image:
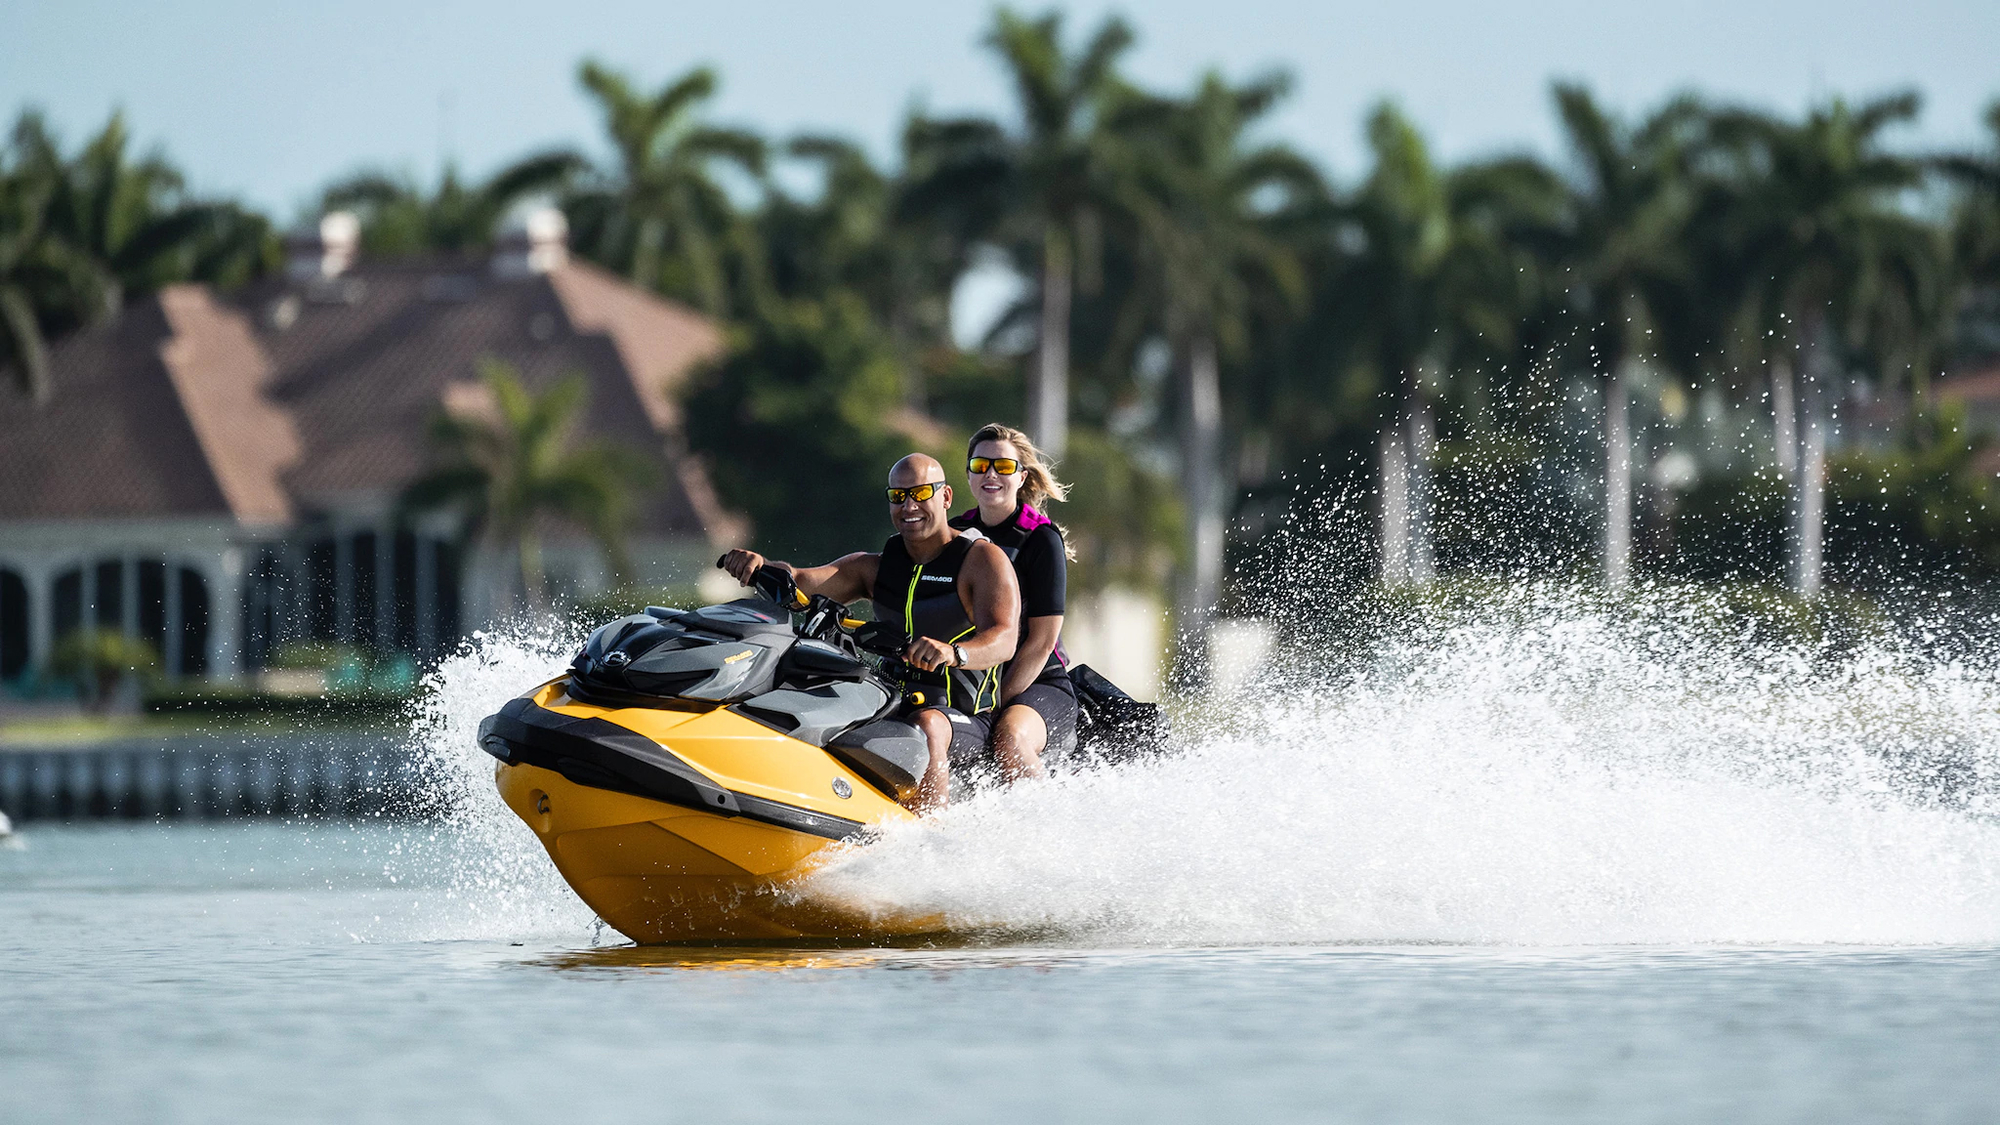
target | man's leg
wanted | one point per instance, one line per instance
(934, 789)
(1018, 741)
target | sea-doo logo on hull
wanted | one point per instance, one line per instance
(617, 659)
(842, 789)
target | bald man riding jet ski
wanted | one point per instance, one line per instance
(954, 596)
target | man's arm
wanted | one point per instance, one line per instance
(993, 600)
(845, 579)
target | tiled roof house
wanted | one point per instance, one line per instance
(219, 473)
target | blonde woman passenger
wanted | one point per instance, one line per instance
(1037, 711)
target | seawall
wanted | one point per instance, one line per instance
(211, 776)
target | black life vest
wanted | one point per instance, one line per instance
(1011, 536)
(922, 601)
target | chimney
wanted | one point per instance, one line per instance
(539, 244)
(311, 256)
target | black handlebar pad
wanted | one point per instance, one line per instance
(773, 582)
(885, 641)
(880, 639)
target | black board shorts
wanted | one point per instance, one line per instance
(1056, 704)
(970, 735)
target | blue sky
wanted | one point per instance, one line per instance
(270, 100)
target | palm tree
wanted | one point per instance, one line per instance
(1437, 272)
(839, 239)
(130, 219)
(79, 235)
(660, 217)
(848, 239)
(1042, 189)
(1816, 212)
(508, 469)
(1975, 233)
(1401, 224)
(1213, 208)
(38, 271)
(1629, 202)
(398, 218)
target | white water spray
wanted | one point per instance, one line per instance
(501, 883)
(1535, 773)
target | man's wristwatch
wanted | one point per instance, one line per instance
(958, 654)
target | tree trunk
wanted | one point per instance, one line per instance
(1784, 424)
(31, 357)
(533, 584)
(646, 249)
(1048, 392)
(1407, 448)
(1395, 485)
(1205, 497)
(1422, 437)
(1618, 477)
(1810, 506)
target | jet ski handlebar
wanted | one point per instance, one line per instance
(824, 618)
(775, 583)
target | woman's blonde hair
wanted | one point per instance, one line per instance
(1040, 483)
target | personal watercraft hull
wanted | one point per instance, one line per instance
(687, 824)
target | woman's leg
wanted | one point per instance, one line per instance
(1019, 737)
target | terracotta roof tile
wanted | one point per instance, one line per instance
(112, 441)
(222, 374)
(659, 342)
(1970, 386)
(184, 404)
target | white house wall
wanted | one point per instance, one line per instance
(219, 551)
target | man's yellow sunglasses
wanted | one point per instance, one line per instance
(919, 493)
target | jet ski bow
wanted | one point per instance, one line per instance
(690, 765)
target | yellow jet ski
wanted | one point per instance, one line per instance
(686, 770)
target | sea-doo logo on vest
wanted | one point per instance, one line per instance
(617, 659)
(935, 578)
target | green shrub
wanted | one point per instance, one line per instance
(1919, 518)
(319, 656)
(97, 660)
(363, 707)
(350, 669)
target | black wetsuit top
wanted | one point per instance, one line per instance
(1035, 547)
(922, 601)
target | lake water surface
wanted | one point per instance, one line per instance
(1542, 864)
(331, 973)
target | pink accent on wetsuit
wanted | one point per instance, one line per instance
(1029, 519)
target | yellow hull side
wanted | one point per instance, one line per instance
(658, 872)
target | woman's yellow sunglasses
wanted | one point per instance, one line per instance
(1005, 466)
(919, 493)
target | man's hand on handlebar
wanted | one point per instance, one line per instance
(741, 564)
(929, 654)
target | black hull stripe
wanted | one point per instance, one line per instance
(604, 755)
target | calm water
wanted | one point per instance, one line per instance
(259, 971)
(1541, 864)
